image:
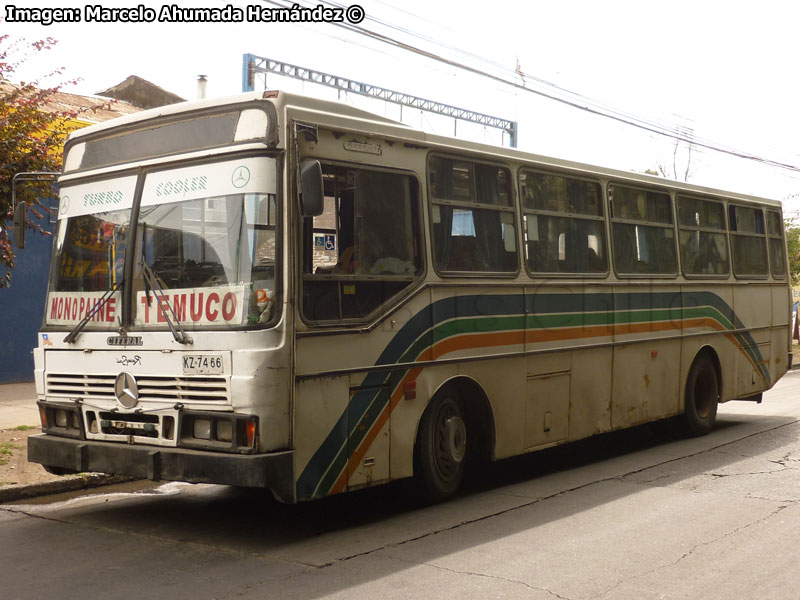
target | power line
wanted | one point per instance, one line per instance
(573, 99)
(669, 129)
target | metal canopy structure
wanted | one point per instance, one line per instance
(253, 65)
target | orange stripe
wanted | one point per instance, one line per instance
(478, 340)
(553, 335)
(382, 419)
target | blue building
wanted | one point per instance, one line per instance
(22, 304)
(22, 307)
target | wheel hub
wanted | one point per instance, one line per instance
(456, 437)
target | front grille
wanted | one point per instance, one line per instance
(80, 386)
(151, 387)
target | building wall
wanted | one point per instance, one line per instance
(22, 308)
(22, 304)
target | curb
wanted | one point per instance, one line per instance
(69, 484)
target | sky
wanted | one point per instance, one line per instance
(723, 73)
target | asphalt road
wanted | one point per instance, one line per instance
(637, 515)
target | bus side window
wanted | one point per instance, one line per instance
(364, 248)
(384, 224)
(564, 225)
(642, 231)
(776, 245)
(748, 242)
(473, 220)
(703, 242)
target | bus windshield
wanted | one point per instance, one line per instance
(90, 245)
(213, 259)
(206, 235)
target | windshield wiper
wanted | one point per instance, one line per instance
(175, 327)
(73, 335)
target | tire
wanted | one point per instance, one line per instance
(441, 448)
(702, 397)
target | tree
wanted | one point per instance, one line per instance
(683, 146)
(31, 136)
(674, 172)
(792, 227)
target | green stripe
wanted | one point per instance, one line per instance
(470, 315)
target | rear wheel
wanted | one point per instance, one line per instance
(441, 447)
(702, 397)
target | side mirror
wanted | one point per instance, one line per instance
(21, 208)
(312, 195)
(19, 224)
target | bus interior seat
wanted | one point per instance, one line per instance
(465, 255)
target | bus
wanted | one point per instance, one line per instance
(281, 292)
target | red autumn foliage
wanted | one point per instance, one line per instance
(32, 132)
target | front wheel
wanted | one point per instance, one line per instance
(702, 397)
(441, 447)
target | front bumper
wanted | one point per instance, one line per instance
(273, 471)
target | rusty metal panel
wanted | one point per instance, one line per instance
(645, 386)
(547, 399)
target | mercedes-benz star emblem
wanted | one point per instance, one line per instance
(126, 390)
(240, 177)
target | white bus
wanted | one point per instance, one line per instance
(281, 292)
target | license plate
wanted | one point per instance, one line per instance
(202, 364)
(127, 425)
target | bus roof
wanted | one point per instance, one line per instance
(277, 97)
(332, 113)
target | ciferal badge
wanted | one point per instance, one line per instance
(125, 340)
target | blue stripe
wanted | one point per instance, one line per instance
(366, 404)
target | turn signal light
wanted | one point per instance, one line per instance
(250, 433)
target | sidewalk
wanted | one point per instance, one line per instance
(19, 479)
(18, 405)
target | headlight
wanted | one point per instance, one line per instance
(226, 432)
(61, 419)
(202, 429)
